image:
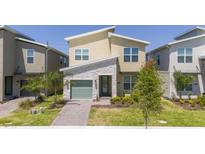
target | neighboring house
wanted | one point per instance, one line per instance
(186, 54)
(20, 57)
(102, 64)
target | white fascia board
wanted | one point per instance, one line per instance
(89, 33)
(29, 41)
(128, 38)
(91, 62)
(187, 39)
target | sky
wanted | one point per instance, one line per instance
(157, 35)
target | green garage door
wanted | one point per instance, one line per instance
(81, 89)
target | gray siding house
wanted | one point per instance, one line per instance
(186, 54)
(20, 57)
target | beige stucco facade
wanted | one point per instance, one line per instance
(13, 60)
(102, 46)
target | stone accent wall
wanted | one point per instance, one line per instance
(92, 72)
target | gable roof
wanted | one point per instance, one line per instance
(178, 41)
(90, 33)
(128, 38)
(188, 31)
(7, 28)
(41, 44)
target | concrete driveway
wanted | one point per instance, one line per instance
(11, 105)
(74, 113)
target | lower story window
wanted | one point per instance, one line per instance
(129, 82)
(188, 88)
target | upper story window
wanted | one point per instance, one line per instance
(129, 82)
(184, 55)
(158, 59)
(81, 54)
(65, 61)
(131, 54)
(61, 60)
(30, 56)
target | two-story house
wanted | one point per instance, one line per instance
(186, 54)
(20, 57)
(102, 64)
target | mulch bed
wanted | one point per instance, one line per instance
(188, 106)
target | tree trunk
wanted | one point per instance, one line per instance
(146, 118)
(55, 95)
(180, 94)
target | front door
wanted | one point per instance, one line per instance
(105, 85)
(8, 86)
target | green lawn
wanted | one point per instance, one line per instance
(172, 114)
(22, 117)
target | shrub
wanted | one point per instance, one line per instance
(127, 100)
(40, 98)
(201, 100)
(27, 104)
(116, 100)
(191, 102)
(135, 97)
(181, 101)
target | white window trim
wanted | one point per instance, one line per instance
(185, 55)
(131, 77)
(81, 53)
(130, 55)
(30, 56)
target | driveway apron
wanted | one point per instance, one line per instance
(74, 113)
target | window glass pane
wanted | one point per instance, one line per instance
(30, 52)
(134, 78)
(64, 60)
(135, 51)
(180, 59)
(127, 79)
(77, 52)
(77, 57)
(126, 58)
(30, 60)
(85, 57)
(188, 51)
(181, 52)
(158, 60)
(188, 88)
(126, 51)
(126, 86)
(85, 51)
(188, 59)
(133, 85)
(134, 58)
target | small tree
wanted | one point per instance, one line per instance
(148, 87)
(182, 81)
(55, 82)
(35, 85)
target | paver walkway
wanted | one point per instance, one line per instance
(74, 113)
(11, 105)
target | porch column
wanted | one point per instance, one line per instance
(114, 82)
(201, 86)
